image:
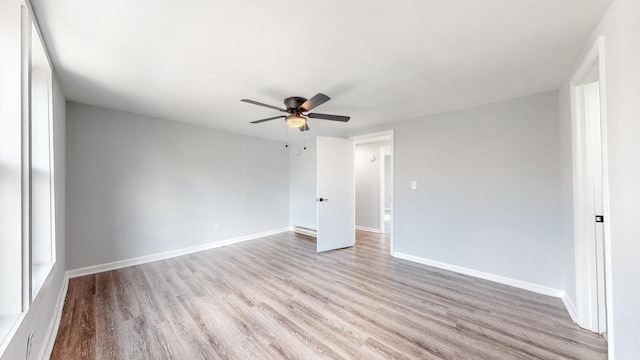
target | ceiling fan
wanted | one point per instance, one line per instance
(296, 107)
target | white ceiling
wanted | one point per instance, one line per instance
(380, 61)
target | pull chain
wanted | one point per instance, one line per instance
(286, 136)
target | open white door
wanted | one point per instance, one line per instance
(593, 133)
(335, 193)
(591, 193)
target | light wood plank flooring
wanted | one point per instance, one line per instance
(276, 298)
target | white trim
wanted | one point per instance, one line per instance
(387, 135)
(540, 289)
(26, 157)
(52, 330)
(382, 185)
(167, 254)
(569, 305)
(364, 228)
(373, 137)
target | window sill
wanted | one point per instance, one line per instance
(39, 273)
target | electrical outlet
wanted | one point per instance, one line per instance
(216, 227)
(414, 185)
(29, 344)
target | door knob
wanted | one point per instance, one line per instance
(323, 199)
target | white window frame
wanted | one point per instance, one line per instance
(11, 320)
(29, 29)
(39, 275)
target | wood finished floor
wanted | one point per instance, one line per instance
(276, 298)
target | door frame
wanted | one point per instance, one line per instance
(383, 187)
(387, 135)
(584, 244)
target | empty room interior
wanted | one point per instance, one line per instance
(319, 180)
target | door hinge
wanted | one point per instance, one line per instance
(599, 218)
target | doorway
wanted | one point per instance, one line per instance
(385, 189)
(373, 163)
(591, 220)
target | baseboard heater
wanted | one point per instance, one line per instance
(305, 231)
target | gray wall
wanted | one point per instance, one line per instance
(303, 184)
(489, 183)
(621, 29)
(488, 187)
(42, 309)
(367, 175)
(141, 185)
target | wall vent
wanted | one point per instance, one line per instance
(305, 231)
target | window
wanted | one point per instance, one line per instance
(42, 235)
(10, 166)
(27, 216)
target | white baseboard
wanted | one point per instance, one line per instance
(52, 330)
(377, 231)
(570, 306)
(166, 255)
(540, 289)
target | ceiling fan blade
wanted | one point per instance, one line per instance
(329, 117)
(315, 101)
(261, 104)
(267, 119)
(304, 128)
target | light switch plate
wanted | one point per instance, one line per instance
(414, 185)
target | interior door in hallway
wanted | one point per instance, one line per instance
(335, 193)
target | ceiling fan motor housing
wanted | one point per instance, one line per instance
(293, 103)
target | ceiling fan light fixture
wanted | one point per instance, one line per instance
(296, 120)
(295, 107)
